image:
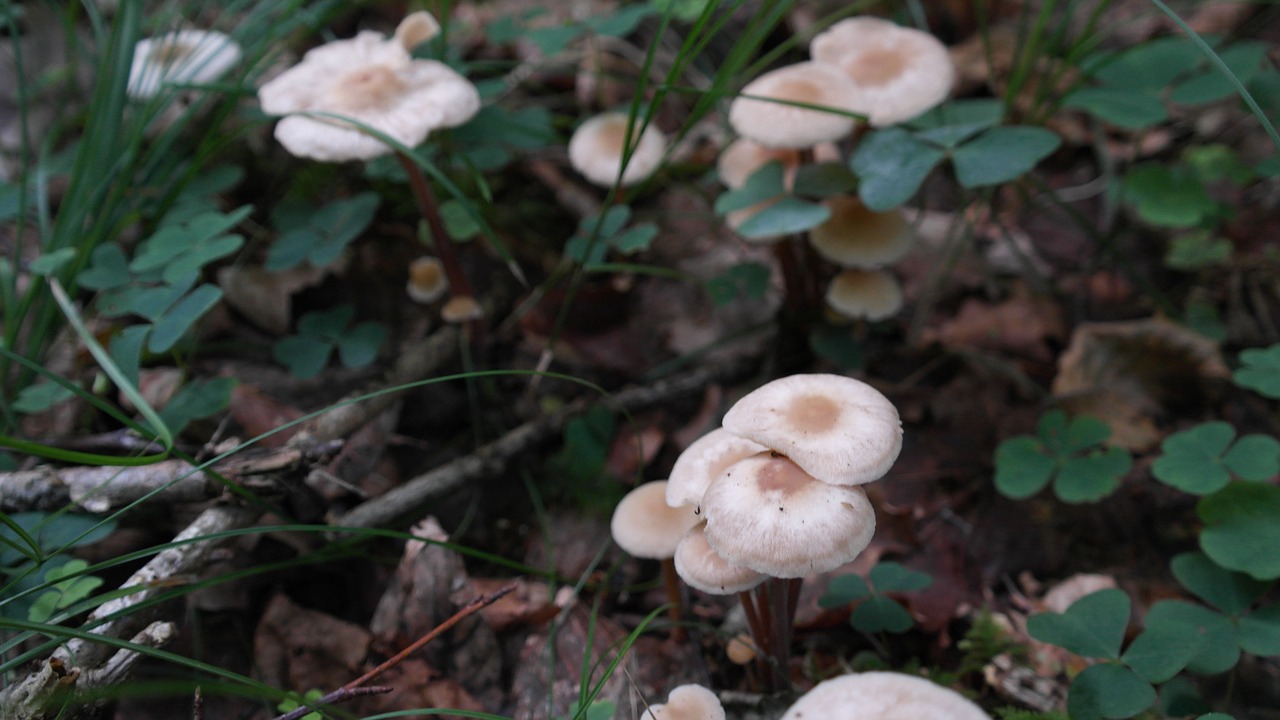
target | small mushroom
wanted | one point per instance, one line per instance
(687, 702)
(598, 145)
(768, 514)
(855, 236)
(702, 568)
(882, 696)
(899, 72)
(871, 294)
(416, 28)
(646, 526)
(767, 113)
(461, 309)
(703, 461)
(182, 57)
(839, 430)
(427, 280)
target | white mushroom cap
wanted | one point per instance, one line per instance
(687, 702)
(646, 526)
(372, 81)
(702, 568)
(743, 157)
(882, 696)
(703, 461)
(183, 57)
(770, 515)
(416, 28)
(855, 236)
(839, 430)
(596, 149)
(870, 294)
(899, 72)
(427, 280)
(780, 125)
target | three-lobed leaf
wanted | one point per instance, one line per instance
(1093, 626)
(1260, 371)
(1240, 529)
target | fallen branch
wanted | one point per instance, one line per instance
(82, 664)
(408, 500)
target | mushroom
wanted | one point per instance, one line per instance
(744, 156)
(766, 111)
(898, 72)
(702, 568)
(855, 236)
(703, 461)
(364, 81)
(416, 28)
(646, 526)
(598, 149)
(839, 430)
(427, 280)
(768, 514)
(461, 309)
(687, 702)
(182, 57)
(870, 294)
(882, 696)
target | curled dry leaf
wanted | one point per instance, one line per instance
(1024, 325)
(1128, 374)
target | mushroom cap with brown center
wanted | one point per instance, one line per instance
(702, 568)
(899, 72)
(646, 526)
(182, 57)
(870, 294)
(770, 515)
(367, 80)
(882, 696)
(687, 702)
(855, 236)
(763, 112)
(840, 430)
(703, 461)
(427, 280)
(597, 147)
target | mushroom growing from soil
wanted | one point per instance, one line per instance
(767, 110)
(870, 294)
(687, 702)
(898, 72)
(882, 696)
(344, 89)
(427, 280)
(839, 430)
(598, 149)
(179, 58)
(645, 526)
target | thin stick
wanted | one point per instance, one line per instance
(342, 694)
(467, 610)
(753, 621)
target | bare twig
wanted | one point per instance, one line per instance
(409, 499)
(342, 694)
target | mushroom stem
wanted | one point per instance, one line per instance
(459, 284)
(675, 611)
(753, 621)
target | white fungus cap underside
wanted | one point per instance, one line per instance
(855, 236)
(850, 436)
(702, 568)
(899, 72)
(882, 696)
(646, 526)
(424, 95)
(703, 461)
(870, 294)
(183, 57)
(687, 702)
(767, 514)
(596, 150)
(779, 125)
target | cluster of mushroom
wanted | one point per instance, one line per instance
(861, 66)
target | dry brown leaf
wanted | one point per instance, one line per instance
(1129, 374)
(264, 297)
(1023, 325)
(301, 649)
